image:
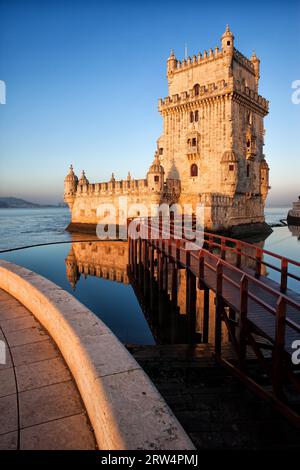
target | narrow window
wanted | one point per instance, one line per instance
(196, 89)
(228, 43)
(156, 178)
(194, 142)
(196, 116)
(191, 116)
(248, 171)
(194, 170)
(231, 167)
(161, 151)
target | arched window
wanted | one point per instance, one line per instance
(194, 142)
(196, 115)
(196, 89)
(191, 116)
(194, 170)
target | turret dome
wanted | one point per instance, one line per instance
(229, 156)
(227, 41)
(71, 177)
(264, 165)
(156, 167)
(227, 33)
(83, 179)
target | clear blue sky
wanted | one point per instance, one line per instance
(83, 79)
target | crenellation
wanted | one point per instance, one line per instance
(243, 60)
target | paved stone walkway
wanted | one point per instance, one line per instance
(40, 406)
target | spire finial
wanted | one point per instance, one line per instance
(227, 28)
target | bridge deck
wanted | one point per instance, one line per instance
(260, 316)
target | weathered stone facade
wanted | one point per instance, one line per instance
(210, 151)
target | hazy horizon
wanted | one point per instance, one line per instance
(83, 79)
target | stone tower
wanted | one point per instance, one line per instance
(213, 134)
(210, 151)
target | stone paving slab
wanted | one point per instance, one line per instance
(9, 441)
(42, 373)
(57, 434)
(29, 335)
(8, 414)
(48, 403)
(28, 353)
(7, 382)
(19, 323)
(40, 406)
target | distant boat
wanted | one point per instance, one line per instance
(293, 217)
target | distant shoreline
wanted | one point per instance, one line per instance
(18, 203)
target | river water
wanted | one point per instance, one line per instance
(96, 272)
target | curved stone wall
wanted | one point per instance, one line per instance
(124, 407)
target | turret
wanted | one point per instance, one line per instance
(264, 179)
(230, 172)
(71, 182)
(256, 64)
(227, 41)
(171, 63)
(83, 179)
(155, 175)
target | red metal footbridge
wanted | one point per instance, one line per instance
(262, 315)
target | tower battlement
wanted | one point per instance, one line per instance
(211, 90)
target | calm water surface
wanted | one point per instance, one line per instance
(86, 269)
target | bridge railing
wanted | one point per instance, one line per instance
(260, 310)
(241, 249)
(280, 299)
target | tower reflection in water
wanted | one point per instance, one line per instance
(295, 231)
(169, 322)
